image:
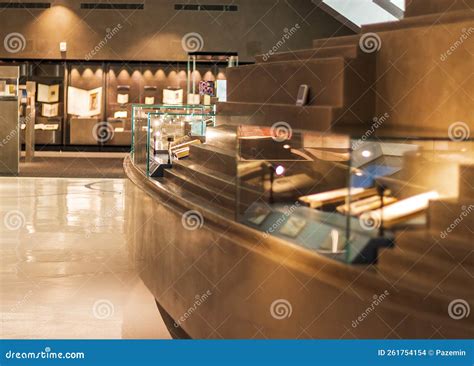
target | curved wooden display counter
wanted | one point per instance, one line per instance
(222, 279)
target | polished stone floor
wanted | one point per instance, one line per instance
(64, 268)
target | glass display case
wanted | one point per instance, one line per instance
(9, 79)
(340, 197)
(394, 183)
(205, 90)
(276, 171)
(9, 117)
(163, 133)
(43, 85)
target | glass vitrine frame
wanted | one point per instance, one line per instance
(406, 175)
(231, 58)
(142, 115)
(197, 123)
(339, 212)
(274, 172)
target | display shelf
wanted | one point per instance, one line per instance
(142, 82)
(48, 131)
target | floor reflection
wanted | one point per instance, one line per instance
(64, 264)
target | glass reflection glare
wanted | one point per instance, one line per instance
(279, 170)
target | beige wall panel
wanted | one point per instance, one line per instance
(425, 76)
(156, 32)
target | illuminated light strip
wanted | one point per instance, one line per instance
(404, 208)
(319, 199)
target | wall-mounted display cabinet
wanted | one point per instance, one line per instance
(73, 100)
(43, 85)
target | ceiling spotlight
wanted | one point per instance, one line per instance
(366, 154)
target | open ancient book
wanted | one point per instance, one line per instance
(84, 103)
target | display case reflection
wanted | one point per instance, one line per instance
(402, 180)
(344, 198)
(163, 133)
(274, 176)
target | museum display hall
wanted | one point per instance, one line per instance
(237, 170)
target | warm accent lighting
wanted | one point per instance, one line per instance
(279, 170)
(335, 240)
(405, 208)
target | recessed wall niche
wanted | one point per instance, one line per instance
(136, 82)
